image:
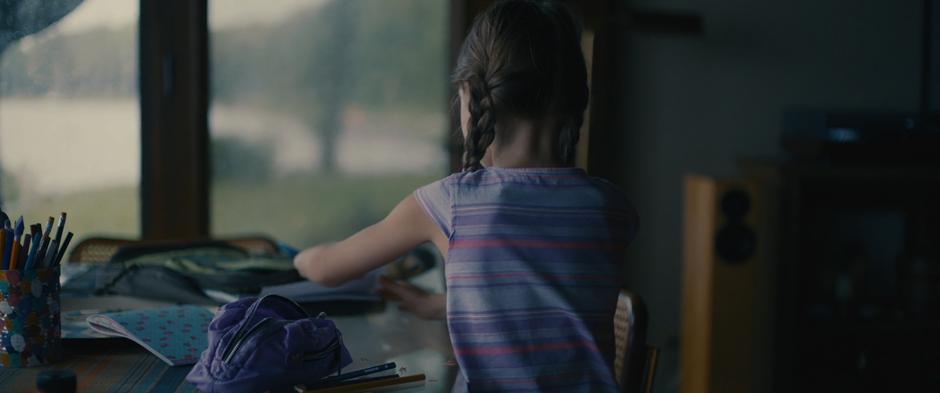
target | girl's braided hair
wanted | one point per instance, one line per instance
(522, 58)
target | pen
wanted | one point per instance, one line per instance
(65, 245)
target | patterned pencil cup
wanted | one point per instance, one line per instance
(30, 319)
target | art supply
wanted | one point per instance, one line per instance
(58, 229)
(18, 229)
(41, 254)
(49, 259)
(4, 256)
(24, 252)
(371, 385)
(48, 231)
(62, 248)
(34, 249)
(358, 373)
(348, 382)
(29, 312)
(14, 255)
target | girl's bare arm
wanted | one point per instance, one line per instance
(406, 227)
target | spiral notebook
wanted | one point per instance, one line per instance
(177, 335)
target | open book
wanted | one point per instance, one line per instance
(177, 334)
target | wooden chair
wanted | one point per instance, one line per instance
(103, 249)
(634, 360)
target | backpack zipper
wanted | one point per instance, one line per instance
(241, 337)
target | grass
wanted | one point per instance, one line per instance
(299, 210)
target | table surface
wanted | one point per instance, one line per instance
(120, 365)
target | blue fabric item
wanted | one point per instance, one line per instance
(267, 344)
(532, 273)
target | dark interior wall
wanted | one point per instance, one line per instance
(695, 104)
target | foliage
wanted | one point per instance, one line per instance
(235, 158)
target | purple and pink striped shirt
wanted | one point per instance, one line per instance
(532, 275)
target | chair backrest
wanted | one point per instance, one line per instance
(96, 249)
(634, 361)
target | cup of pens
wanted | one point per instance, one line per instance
(30, 318)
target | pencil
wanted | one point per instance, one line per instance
(14, 255)
(4, 260)
(49, 227)
(24, 252)
(58, 229)
(41, 252)
(348, 382)
(359, 373)
(65, 244)
(367, 385)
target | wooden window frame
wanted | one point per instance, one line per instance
(174, 105)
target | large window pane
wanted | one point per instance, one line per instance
(325, 114)
(69, 119)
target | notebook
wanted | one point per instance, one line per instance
(176, 335)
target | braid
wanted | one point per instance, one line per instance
(482, 124)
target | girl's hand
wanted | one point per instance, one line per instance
(415, 300)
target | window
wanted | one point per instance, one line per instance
(324, 114)
(69, 118)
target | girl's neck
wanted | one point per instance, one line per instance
(522, 143)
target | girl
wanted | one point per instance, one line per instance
(532, 244)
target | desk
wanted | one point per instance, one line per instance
(120, 365)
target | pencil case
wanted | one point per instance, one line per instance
(267, 344)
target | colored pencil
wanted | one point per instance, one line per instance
(370, 385)
(24, 252)
(59, 228)
(359, 373)
(14, 255)
(65, 245)
(4, 257)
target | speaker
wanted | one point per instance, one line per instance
(727, 300)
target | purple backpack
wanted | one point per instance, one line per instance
(267, 344)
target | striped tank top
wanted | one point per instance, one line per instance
(532, 276)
